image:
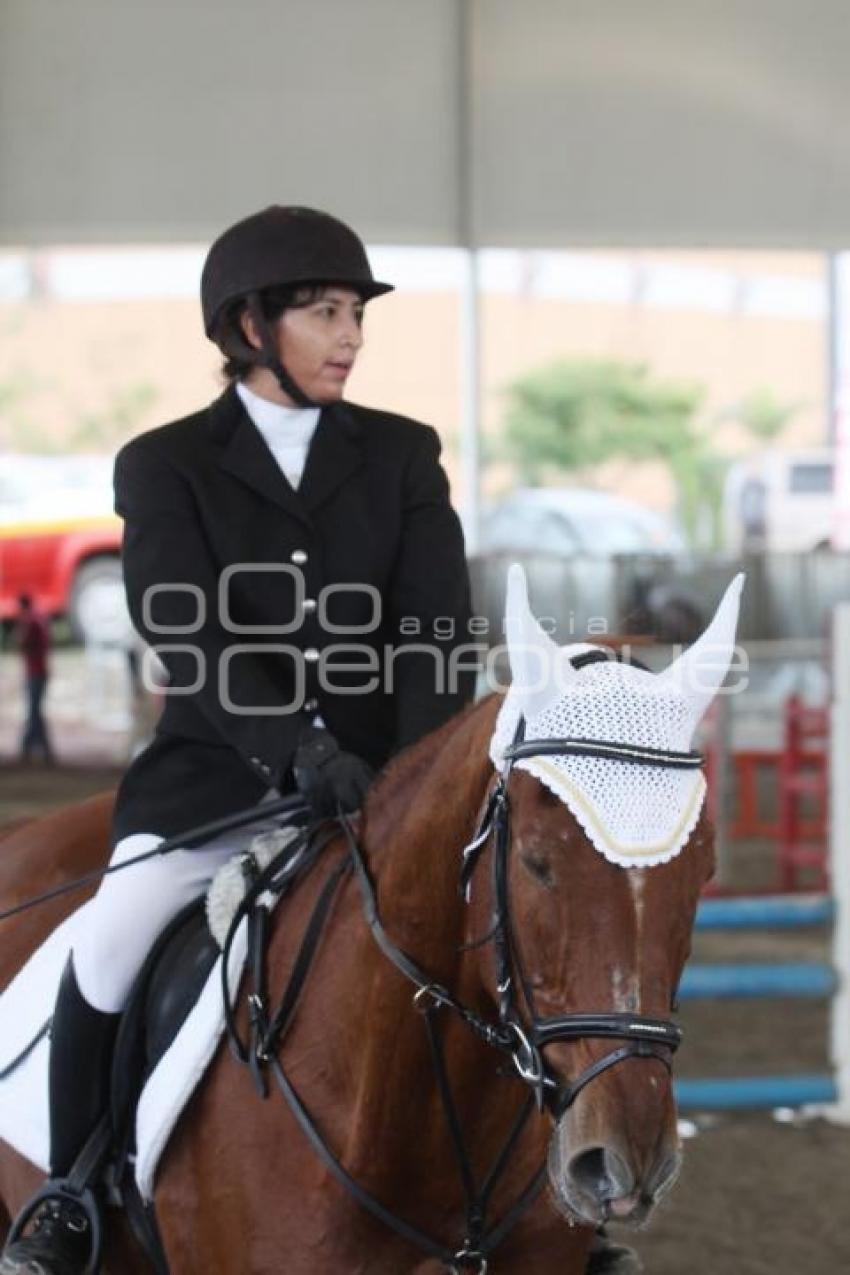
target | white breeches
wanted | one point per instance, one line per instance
(133, 907)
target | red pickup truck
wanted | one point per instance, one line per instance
(61, 542)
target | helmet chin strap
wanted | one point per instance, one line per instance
(270, 358)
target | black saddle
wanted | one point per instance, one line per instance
(163, 995)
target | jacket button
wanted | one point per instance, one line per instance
(311, 655)
(309, 605)
(298, 556)
(310, 705)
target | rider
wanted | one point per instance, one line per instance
(296, 563)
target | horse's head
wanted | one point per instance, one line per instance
(609, 848)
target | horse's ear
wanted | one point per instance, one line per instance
(537, 666)
(699, 673)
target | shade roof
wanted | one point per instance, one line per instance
(547, 122)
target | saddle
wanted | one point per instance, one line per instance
(166, 990)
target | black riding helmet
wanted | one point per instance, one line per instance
(277, 248)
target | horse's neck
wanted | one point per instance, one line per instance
(423, 814)
(418, 824)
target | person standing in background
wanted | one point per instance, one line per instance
(33, 639)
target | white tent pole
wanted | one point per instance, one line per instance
(470, 400)
(839, 336)
(470, 346)
(839, 821)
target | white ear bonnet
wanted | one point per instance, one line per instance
(635, 815)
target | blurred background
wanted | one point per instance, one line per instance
(620, 237)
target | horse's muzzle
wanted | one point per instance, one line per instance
(597, 1182)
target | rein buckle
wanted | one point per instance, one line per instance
(428, 998)
(529, 1063)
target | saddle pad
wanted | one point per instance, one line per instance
(25, 1006)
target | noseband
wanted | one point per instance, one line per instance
(643, 1037)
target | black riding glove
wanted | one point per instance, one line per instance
(327, 777)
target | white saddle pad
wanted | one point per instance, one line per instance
(28, 1002)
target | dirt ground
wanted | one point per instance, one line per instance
(757, 1196)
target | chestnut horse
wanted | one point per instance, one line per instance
(239, 1187)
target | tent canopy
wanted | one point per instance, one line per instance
(551, 122)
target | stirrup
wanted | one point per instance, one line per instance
(84, 1199)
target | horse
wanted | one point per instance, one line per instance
(465, 1056)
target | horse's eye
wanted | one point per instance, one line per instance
(540, 869)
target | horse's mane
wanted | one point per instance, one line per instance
(453, 758)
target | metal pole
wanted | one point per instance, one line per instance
(470, 401)
(470, 352)
(840, 848)
(832, 347)
(839, 407)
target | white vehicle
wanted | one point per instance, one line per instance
(576, 521)
(780, 502)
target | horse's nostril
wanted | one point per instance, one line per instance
(599, 1173)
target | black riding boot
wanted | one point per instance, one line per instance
(58, 1239)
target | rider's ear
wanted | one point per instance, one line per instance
(249, 329)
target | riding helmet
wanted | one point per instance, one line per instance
(278, 247)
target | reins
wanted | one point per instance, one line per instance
(291, 806)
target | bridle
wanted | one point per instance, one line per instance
(643, 1037)
(522, 1039)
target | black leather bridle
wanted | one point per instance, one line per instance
(643, 1037)
(521, 1038)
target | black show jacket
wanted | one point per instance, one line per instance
(221, 554)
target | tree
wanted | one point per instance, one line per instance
(21, 427)
(762, 414)
(113, 424)
(576, 413)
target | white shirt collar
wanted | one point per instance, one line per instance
(276, 422)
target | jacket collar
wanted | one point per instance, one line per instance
(335, 453)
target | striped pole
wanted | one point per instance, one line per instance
(756, 980)
(779, 912)
(754, 1093)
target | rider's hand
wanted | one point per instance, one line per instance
(327, 777)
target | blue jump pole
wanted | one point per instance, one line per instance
(716, 982)
(752, 1093)
(779, 912)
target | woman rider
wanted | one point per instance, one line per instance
(296, 564)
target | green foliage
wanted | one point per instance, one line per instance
(21, 428)
(94, 431)
(577, 413)
(762, 414)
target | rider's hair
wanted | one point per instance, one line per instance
(230, 335)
